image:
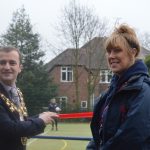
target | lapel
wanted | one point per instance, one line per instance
(2, 90)
(13, 115)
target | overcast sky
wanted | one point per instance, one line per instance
(43, 13)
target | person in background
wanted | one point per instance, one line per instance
(121, 118)
(15, 125)
(53, 107)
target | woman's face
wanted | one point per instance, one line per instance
(120, 60)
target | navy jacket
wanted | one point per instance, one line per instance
(52, 107)
(12, 129)
(121, 119)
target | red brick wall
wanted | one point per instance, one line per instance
(67, 89)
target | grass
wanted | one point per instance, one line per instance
(65, 129)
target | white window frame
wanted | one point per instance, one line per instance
(82, 104)
(63, 98)
(106, 74)
(67, 71)
(92, 100)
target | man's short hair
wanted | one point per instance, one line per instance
(8, 49)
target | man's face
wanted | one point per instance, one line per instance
(9, 67)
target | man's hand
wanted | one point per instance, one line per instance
(47, 117)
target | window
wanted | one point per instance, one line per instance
(83, 104)
(105, 76)
(63, 102)
(66, 74)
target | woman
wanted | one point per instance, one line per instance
(53, 107)
(121, 119)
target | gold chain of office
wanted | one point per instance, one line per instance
(22, 110)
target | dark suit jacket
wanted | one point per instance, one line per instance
(12, 129)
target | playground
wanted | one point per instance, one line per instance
(64, 129)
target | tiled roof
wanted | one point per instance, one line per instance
(91, 55)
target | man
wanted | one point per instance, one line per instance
(53, 107)
(15, 126)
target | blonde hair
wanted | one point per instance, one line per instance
(53, 100)
(123, 37)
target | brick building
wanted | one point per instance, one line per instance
(91, 61)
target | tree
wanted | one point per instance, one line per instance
(145, 40)
(147, 62)
(34, 80)
(78, 25)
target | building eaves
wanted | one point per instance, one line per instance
(91, 55)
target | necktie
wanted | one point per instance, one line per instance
(15, 96)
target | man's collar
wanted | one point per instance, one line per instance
(6, 87)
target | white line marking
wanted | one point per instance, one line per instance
(33, 140)
(65, 145)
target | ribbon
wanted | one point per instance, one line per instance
(76, 115)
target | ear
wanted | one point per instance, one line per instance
(134, 51)
(21, 68)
